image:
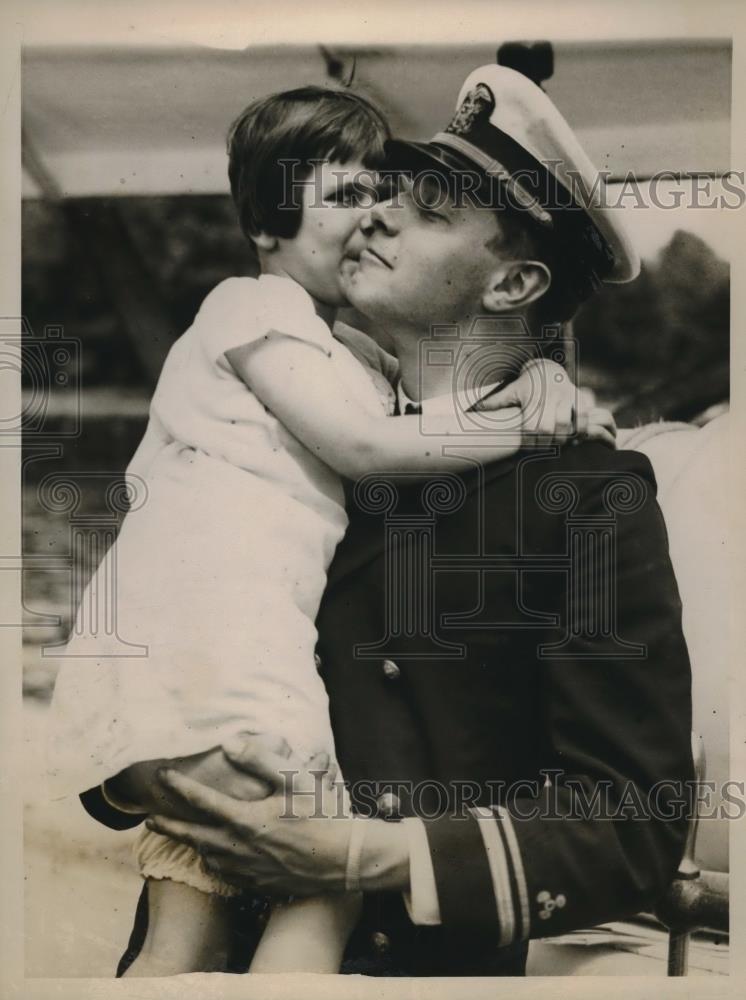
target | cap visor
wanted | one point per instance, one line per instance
(404, 155)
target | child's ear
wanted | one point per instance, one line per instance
(265, 242)
(515, 285)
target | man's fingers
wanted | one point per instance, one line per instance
(230, 873)
(206, 801)
(201, 838)
(253, 756)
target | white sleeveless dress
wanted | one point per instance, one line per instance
(221, 571)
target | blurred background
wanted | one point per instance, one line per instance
(127, 224)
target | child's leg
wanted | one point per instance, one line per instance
(188, 931)
(307, 935)
(189, 916)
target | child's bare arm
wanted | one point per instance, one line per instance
(298, 383)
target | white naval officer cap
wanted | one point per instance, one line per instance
(507, 128)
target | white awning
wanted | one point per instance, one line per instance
(150, 116)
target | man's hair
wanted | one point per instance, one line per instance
(573, 279)
(297, 126)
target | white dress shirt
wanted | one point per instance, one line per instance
(445, 403)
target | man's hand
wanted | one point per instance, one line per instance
(295, 841)
(138, 784)
(553, 410)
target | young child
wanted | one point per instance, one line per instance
(221, 571)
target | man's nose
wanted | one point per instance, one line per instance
(382, 216)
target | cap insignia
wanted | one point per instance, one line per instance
(476, 107)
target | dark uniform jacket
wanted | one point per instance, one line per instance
(504, 656)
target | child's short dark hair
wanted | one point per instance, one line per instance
(310, 123)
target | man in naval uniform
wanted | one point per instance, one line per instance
(508, 680)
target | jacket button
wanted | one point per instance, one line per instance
(381, 942)
(388, 805)
(390, 670)
(317, 661)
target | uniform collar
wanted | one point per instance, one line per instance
(440, 405)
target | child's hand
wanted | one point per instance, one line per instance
(551, 406)
(546, 397)
(596, 424)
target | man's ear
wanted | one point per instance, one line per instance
(516, 284)
(264, 241)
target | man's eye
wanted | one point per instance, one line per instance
(358, 196)
(430, 215)
(387, 186)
